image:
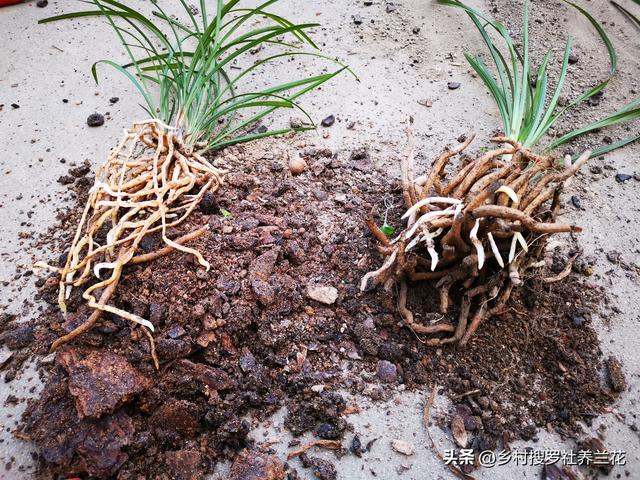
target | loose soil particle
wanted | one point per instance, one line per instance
(244, 337)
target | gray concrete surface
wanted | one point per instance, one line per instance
(41, 65)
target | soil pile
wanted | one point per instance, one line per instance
(279, 320)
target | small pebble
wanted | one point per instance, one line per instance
(95, 120)
(328, 121)
(453, 85)
(573, 58)
(357, 20)
(42, 3)
(622, 177)
(403, 447)
(576, 202)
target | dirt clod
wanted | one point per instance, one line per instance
(617, 378)
(256, 465)
(100, 381)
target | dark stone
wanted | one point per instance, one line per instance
(453, 85)
(328, 121)
(42, 3)
(576, 201)
(622, 177)
(95, 120)
(328, 431)
(204, 376)
(356, 446)
(176, 332)
(113, 100)
(390, 351)
(573, 58)
(247, 361)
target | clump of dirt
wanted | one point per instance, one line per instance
(279, 320)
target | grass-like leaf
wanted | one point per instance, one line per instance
(528, 114)
(633, 18)
(180, 65)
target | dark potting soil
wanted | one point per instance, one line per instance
(280, 312)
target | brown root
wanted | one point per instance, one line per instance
(89, 323)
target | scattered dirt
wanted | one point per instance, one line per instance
(279, 320)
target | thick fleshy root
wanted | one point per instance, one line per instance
(474, 232)
(150, 182)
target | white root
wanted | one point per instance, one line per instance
(522, 241)
(494, 249)
(99, 266)
(512, 250)
(517, 238)
(425, 218)
(413, 242)
(429, 201)
(510, 193)
(375, 273)
(473, 235)
(433, 253)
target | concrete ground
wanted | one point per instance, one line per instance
(400, 69)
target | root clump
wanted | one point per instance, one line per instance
(150, 183)
(476, 232)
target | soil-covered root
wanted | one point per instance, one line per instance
(151, 181)
(472, 234)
